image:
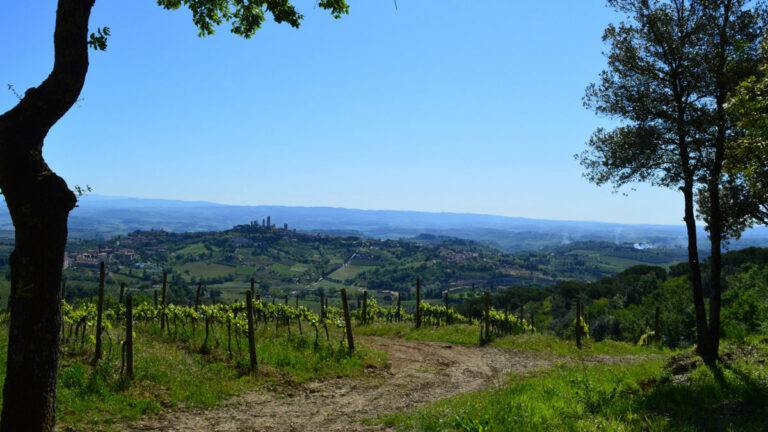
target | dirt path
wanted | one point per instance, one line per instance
(416, 372)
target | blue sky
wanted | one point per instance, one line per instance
(437, 106)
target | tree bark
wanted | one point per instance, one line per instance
(39, 203)
(702, 329)
(715, 181)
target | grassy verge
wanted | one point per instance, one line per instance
(639, 396)
(469, 335)
(176, 369)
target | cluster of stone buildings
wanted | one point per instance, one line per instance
(94, 257)
(458, 256)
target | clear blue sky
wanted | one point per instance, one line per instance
(438, 106)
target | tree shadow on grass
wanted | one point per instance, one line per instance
(729, 397)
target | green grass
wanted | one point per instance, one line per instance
(282, 269)
(205, 269)
(166, 375)
(299, 268)
(456, 334)
(175, 369)
(570, 397)
(470, 335)
(348, 272)
(194, 249)
(553, 344)
(575, 396)
(232, 291)
(325, 283)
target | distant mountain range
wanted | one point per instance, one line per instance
(104, 216)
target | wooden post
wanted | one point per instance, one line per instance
(129, 336)
(251, 337)
(505, 325)
(399, 311)
(99, 313)
(322, 305)
(487, 316)
(286, 299)
(122, 291)
(418, 303)
(253, 287)
(197, 296)
(656, 334)
(347, 322)
(365, 307)
(578, 322)
(163, 322)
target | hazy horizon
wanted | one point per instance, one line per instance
(172, 200)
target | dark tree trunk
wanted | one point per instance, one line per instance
(704, 347)
(39, 202)
(715, 261)
(715, 210)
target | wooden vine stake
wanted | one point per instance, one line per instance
(322, 305)
(578, 322)
(347, 322)
(487, 316)
(197, 296)
(418, 303)
(253, 287)
(251, 337)
(122, 291)
(99, 313)
(163, 319)
(399, 311)
(62, 299)
(129, 336)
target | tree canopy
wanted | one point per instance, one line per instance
(749, 154)
(247, 16)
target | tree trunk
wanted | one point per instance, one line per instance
(704, 346)
(715, 210)
(39, 202)
(715, 261)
